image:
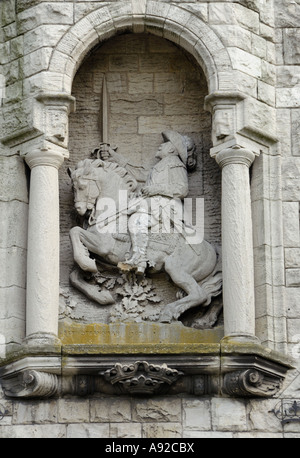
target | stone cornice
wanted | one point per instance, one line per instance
(47, 118)
(57, 99)
(237, 114)
(225, 368)
(223, 98)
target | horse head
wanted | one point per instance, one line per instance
(94, 178)
(86, 185)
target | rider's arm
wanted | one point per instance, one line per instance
(138, 172)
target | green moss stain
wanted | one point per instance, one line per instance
(131, 334)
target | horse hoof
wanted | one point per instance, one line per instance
(166, 318)
(104, 298)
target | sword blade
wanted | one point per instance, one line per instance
(104, 120)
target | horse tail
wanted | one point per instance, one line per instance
(213, 283)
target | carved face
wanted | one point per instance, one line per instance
(164, 150)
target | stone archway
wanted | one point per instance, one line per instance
(168, 21)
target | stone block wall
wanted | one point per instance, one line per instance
(287, 103)
(262, 41)
(168, 418)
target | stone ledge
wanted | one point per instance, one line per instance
(229, 369)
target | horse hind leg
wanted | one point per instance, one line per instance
(196, 295)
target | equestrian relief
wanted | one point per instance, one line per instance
(138, 223)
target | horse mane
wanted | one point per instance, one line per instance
(87, 166)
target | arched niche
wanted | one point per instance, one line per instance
(152, 85)
(178, 25)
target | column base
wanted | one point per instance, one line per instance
(240, 338)
(42, 340)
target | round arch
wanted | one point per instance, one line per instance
(168, 21)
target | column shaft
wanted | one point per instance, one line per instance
(42, 300)
(237, 245)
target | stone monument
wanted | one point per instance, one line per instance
(156, 238)
(118, 317)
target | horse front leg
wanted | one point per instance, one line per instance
(90, 291)
(80, 251)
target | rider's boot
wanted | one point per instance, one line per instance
(138, 261)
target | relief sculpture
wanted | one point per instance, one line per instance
(135, 226)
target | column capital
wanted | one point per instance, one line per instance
(235, 155)
(44, 157)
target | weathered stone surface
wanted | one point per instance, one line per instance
(8, 13)
(207, 434)
(12, 304)
(293, 334)
(268, 72)
(287, 14)
(264, 256)
(222, 421)
(73, 410)
(284, 131)
(234, 35)
(290, 181)
(292, 302)
(33, 431)
(260, 117)
(291, 224)
(17, 216)
(110, 410)
(196, 415)
(44, 35)
(295, 132)
(246, 62)
(11, 124)
(292, 257)
(220, 13)
(36, 412)
(288, 97)
(257, 416)
(292, 277)
(291, 46)
(162, 430)
(46, 12)
(12, 329)
(87, 431)
(125, 430)
(266, 93)
(14, 259)
(157, 410)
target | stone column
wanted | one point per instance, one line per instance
(43, 247)
(237, 245)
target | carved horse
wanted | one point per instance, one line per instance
(194, 269)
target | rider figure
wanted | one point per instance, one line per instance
(166, 181)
